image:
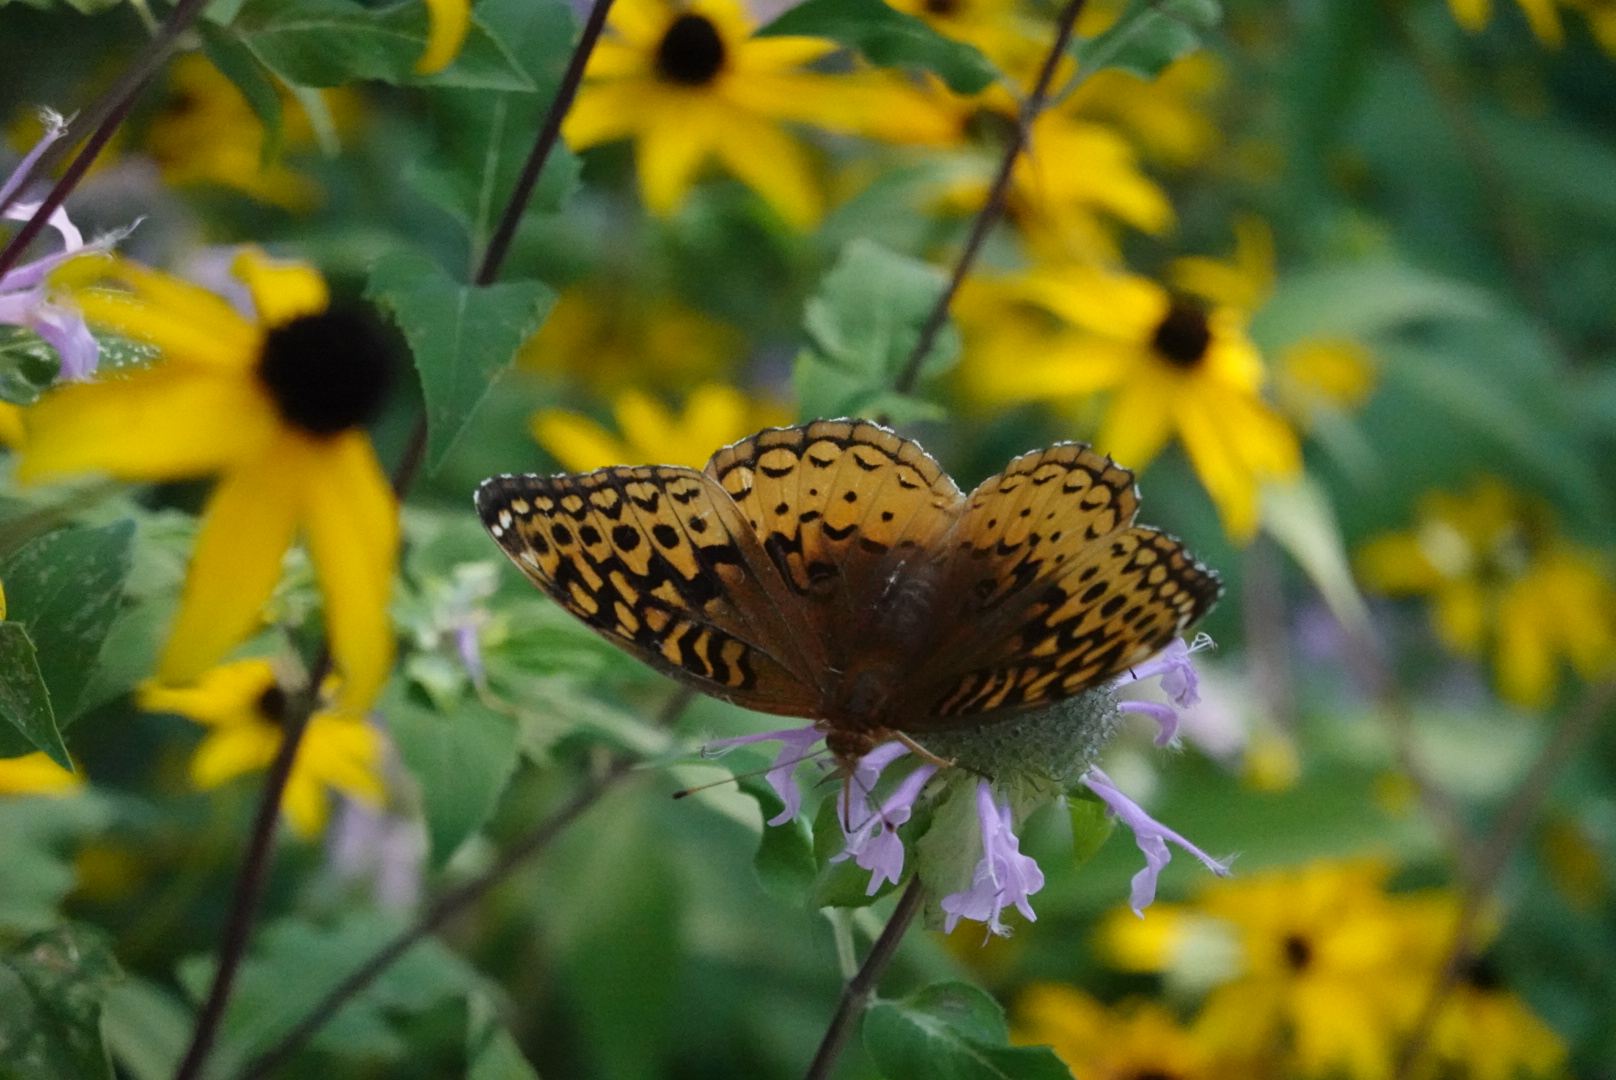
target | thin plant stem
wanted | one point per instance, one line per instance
(254, 870)
(549, 133)
(993, 209)
(249, 888)
(453, 902)
(1509, 829)
(103, 118)
(861, 987)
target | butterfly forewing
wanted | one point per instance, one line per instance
(849, 515)
(658, 560)
(1053, 591)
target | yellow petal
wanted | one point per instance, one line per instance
(772, 164)
(1137, 424)
(647, 425)
(351, 519)
(1471, 14)
(226, 753)
(36, 774)
(642, 23)
(1208, 440)
(344, 752)
(167, 422)
(669, 151)
(178, 328)
(11, 427)
(225, 695)
(1396, 564)
(1460, 616)
(247, 526)
(605, 112)
(305, 804)
(449, 21)
(282, 290)
(578, 442)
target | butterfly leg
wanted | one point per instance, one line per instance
(922, 752)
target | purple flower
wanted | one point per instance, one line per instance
(24, 297)
(1004, 876)
(1178, 680)
(468, 645)
(795, 748)
(874, 843)
(1151, 836)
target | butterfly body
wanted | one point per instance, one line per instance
(833, 571)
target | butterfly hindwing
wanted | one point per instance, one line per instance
(657, 560)
(1054, 590)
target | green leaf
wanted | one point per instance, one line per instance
(296, 963)
(462, 336)
(785, 863)
(1148, 36)
(50, 1006)
(66, 588)
(889, 38)
(238, 64)
(24, 701)
(480, 139)
(951, 1031)
(491, 1053)
(1091, 825)
(28, 365)
(37, 839)
(146, 1028)
(862, 324)
(332, 42)
(462, 761)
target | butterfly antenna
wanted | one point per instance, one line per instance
(683, 792)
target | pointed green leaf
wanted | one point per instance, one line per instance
(238, 64)
(66, 588)
(332, 42)
(462, 336)
(50, 1006)
(462, 761)
(889, 38)
(1148, 36)
(491, 1053)
(952, 1031)
(28, 365)
(24, 701)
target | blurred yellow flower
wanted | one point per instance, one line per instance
(688, 83)
(1001, 29)
(1166, 116)
(36, 774)
(205, 132)
(1601, 16)
(1171, 367)
(714, 416)
(1075, 180)
(1133, 1041)
(1324, 969)
(1497, 573)
(608, 335)
(275, 405)
(1542, 15)
(11, 426)
(1324, 373)
(449, 21)
(243, 706)
(1484, 1032)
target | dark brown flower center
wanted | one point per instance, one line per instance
(1482, 974)
(1183, 335)
(272, 704)
(691, 52)
(1298, 952)
(1153, 1074)
(942, 8)
(327, 372)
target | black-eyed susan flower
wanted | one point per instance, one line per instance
(1006, 33)
(690, 84)
(1167, 117)
(275, 405)
(1170, 366)
(1486, 1032)
(714, 415)
(205, 132)
(1501, 579)
(1322, 969)
(243, 707)
(1137, 1040)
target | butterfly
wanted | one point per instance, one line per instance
(833, 571)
